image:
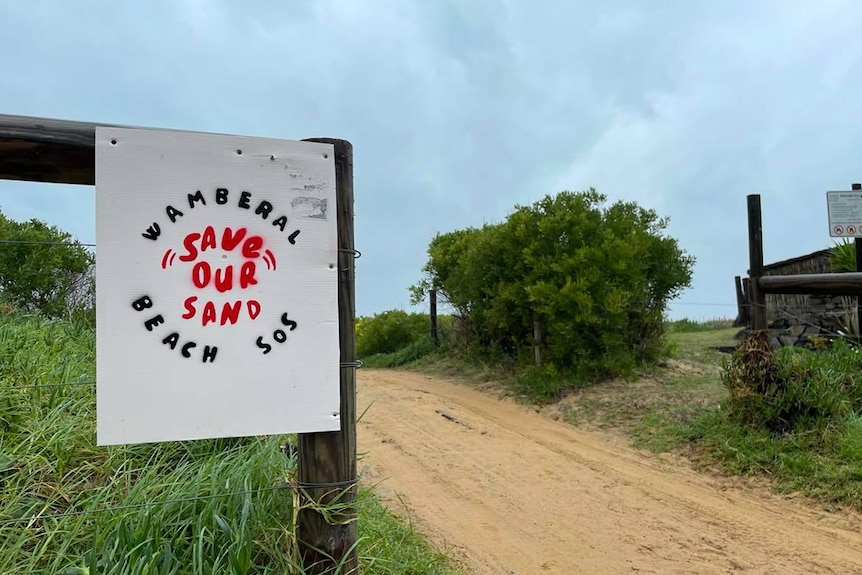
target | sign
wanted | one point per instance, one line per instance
(216, 286)
(845, 214)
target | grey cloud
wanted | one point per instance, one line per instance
(457, 111)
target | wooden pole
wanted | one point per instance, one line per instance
(49, 150)
(432, 296)
(741, 304)
(858, 245)
(538, 336)
(329, 547)
(755, 257)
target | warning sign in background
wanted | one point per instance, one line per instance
(845, 214)
(216, 286)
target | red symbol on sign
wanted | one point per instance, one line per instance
(851, 230)
(838, 230)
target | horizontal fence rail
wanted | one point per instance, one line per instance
(64, 152)
(752, 301)
(815, 284)
(48, 150)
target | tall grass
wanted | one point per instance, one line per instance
(793, 415)
(216, 506)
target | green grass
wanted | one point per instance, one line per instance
(820, 457)
(825, 465)
(214, 506)
(701, 346)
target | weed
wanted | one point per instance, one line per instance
(212, 506)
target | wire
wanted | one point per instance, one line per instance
(327, 485)
(41, 243)
(300, 485)
(38, 385)
(140, 505)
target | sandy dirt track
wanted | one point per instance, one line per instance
(507, 491)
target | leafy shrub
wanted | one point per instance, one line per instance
(389, 331)
(44, 270)
(416, 350)
(842, 257)
(793, 389)
(597, 278)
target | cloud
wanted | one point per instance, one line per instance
(458, 111)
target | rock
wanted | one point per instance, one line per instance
(787, 340)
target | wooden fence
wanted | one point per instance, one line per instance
(59, 151)
(752, 291)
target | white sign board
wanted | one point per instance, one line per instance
(216, 286)
(845, 214)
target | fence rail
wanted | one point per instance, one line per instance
(64, 152)
(759, 285)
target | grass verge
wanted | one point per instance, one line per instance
(214, 506)
(805, 437)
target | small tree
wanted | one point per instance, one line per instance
(41, 267)
(598, 279)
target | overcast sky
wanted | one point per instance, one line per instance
(459, 110)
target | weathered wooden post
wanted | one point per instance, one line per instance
(48, 150)
(538, 337)
(741, 303)
(757, 298)
(328, 542)
(432, 296)
(857, 241)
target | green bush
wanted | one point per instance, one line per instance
(43, 269)
(842, 257)
(793, 389)
(597, 278)
(416, 350)
(389, 331)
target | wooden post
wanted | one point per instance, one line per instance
(537, 339)
(858, 245)
(432, 296)
(330, 457)
(59, 151)
(757, 297)
(741, 304)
